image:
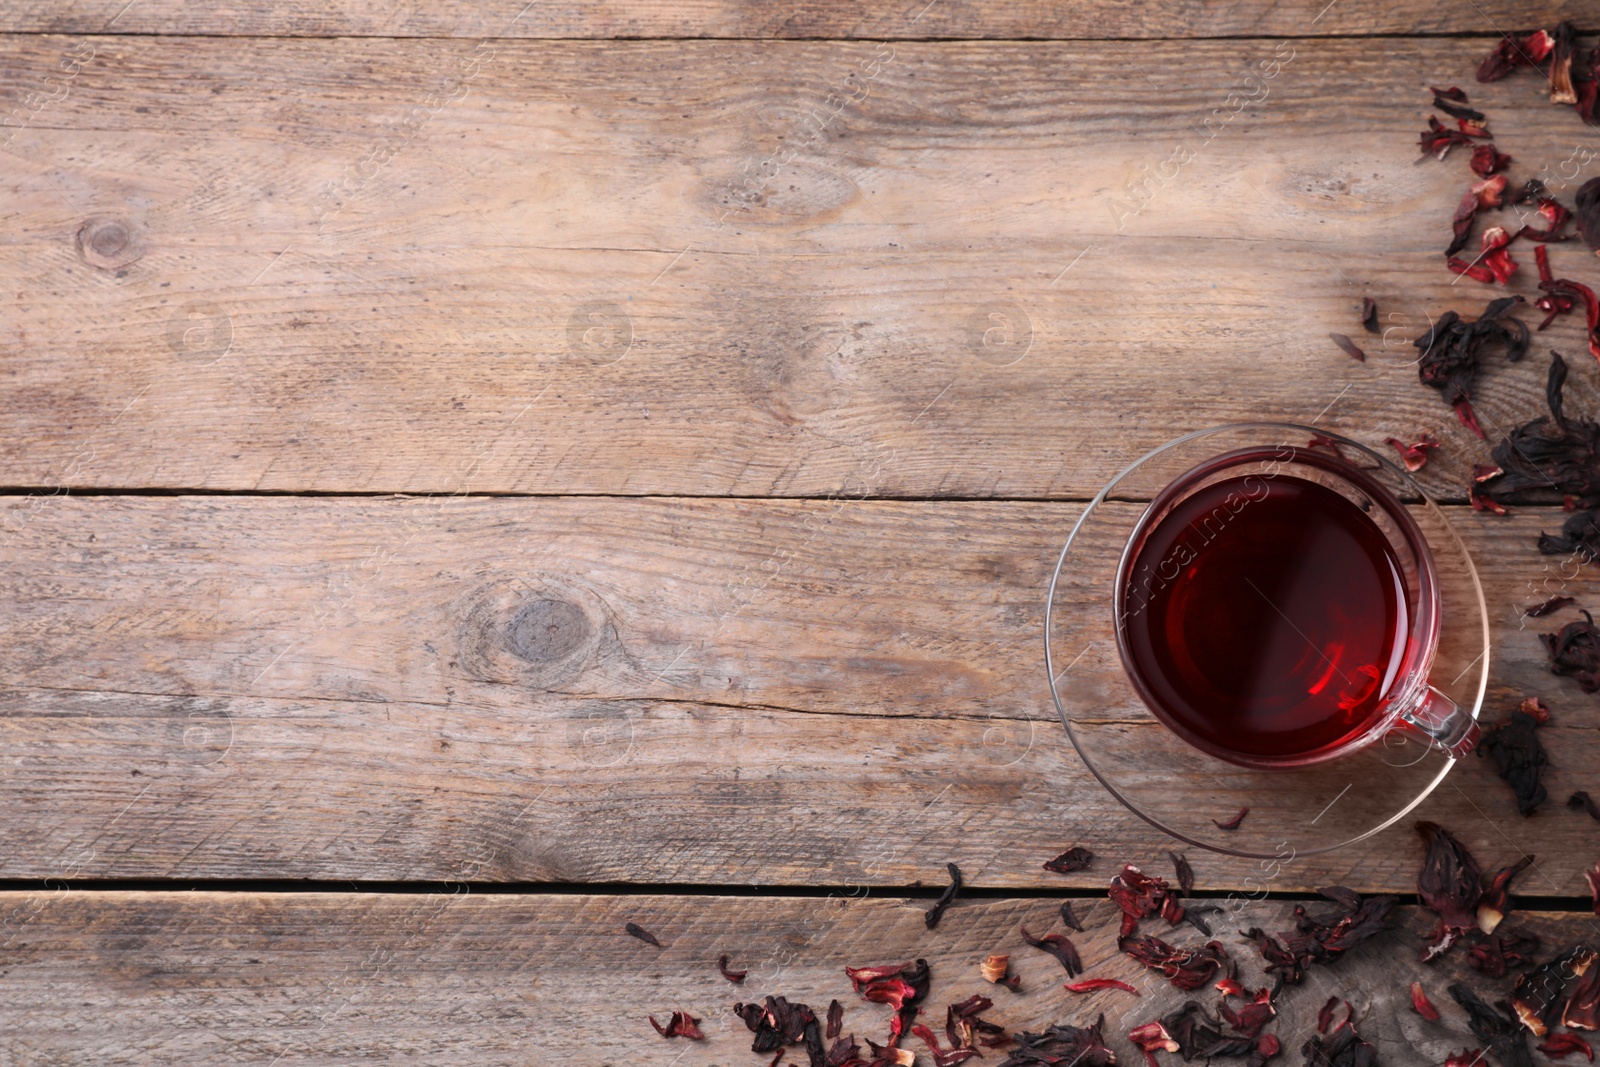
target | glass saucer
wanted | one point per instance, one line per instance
(1186, 792)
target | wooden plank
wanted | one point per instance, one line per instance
(670, 691)
(750, 18)
(241, 269)
(140, 978)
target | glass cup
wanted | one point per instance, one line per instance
(1403, 700)
(1304, 801)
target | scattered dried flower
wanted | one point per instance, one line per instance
(642, 934)
(1369, 314)
(682, 1024)
(997, 969)
(1414, 456)
(1068, 918)
(1518, 754)
(1580, 536)
(1450, 885)
(1233, 823)
(1504, 1037)
(733, 976)
(1059, 947)
(1486, 160)
(1351, 349)
(1496, 902)
(936, 912)
(1574, 652)
(1076, 858)
(1184, 968)
(1560, 1046)
(1424, 1006)
(1094, 985)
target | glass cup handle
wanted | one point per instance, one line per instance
(1440, 722)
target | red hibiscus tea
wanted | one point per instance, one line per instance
(1265, 608)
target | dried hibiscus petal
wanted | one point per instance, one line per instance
(1566, 39)
(1450, 885)
(1152, 1038)
(1518, 754)
(1452, 349)
(1494, 956)
(1342, 1048)
(1575, 292)
(1267, 1048)
(1555, 217)
(1073, 859)
(1471, 270)
(1369, 314)
(1461, 222)
(1414, 456)
(936, 912)
(835, 1020)
(997, 969)
(1496, 255)
(1069, 918)
(1351, 349)
(1233, 823)
(1496, 902)
(1541, 992)
(1574, 652)
(1184, 872)
(1561, 1046)
(1487, 160)
(942, 1057)
(1580, 535)
(1424, 1006)
(1059, 947)
(1438, 139)
(1504, 1037)
(1094, 985)
(1513, 52)
(682, 1024)
(1139, 896)
(1080, 1046)
(1583, 1005)
(635, 930)
(1491, 191)
(733, 976)
(1200, 1036)
(1184, 968)
(1555, 603)
(1550, 454)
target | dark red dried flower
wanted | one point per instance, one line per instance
(1450, 884)
(1078, 1046)
(1580, 536)
(635, 930)
(1583, 1004)
(1325, 1014)
(1438, 139)
(1574, 652)
(936, 912)
(1369, 314)
(1496, 902)
(1451, 351)
(777, 1023)
(1233, 823)
(1424, 1006)
(1184, 872)
(1486, 160)
(1472, 270)
(1414, 456)
(1267, 1048)
(682, 1024)
(1199, 1036)
(1249, 1018)
(1555, 217)
(1073, 859)
(895, 984)
(966, 1028)
(835, 1020)
(1550, 455)
(1139, 896)
(1184, 968)
(1461, 222)
(1496, 254)
(1513, 52)
(1506, 1040)
(1507, 949)
(1059, 947)
(1566, 39)
(1342, 1048)
(1351, 349)
(1094, 985)
(1560, 1046)
(1518, 754)
(1539, 994)
(1323, 938)
(1571, 292)
(942, 1057)
(1068, 918)
(1152, 1038)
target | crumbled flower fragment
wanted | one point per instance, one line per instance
(997, 969)
(1350, 348)
(1184, 872)
(1184, 968)
(1415, 455)
(1555, 218)
(1079, 1046)
(1506, 1039)
(1513, 52)
(1507, 949)
(1076, 858)
(733, 976)
(1550, 454)
(1487, 160)
(1069, 918)
(635, 930)
(1152, 1038)
(1496, 255)
(1369, 315)
(1539, 994)
(1139, 896)
(1452, 350)
(682, 1024)
(1582, 1011)
(1491, 191)
(1555, 603)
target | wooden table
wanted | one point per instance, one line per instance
(484, 473)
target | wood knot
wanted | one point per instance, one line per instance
(108, 244)
(533, 632)
(547, 631)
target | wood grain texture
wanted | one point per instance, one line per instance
(672, 691)
(751, 18)
(146, 978)
(672, 268)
